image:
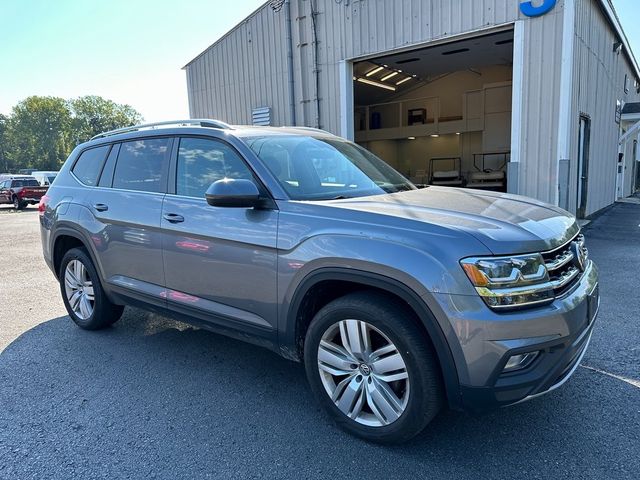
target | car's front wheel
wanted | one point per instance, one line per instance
(373, 368)
(82, 292)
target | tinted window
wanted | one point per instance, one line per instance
(202, 162)
(106, 178)
(29, 182)
(142, 165)
(88, 166)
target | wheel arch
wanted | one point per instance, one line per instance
(63, 240)
(346, 281)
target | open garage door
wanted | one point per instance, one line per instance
(441, 115)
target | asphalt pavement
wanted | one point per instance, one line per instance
(154, 398)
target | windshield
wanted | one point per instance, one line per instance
(326, 168)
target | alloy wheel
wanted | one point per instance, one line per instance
(363, 372)
(79, 289)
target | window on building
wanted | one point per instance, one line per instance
(202, 162)
(87, 168)
(142, 165)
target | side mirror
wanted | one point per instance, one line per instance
(233, 194)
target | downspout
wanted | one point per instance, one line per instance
(316, 68)
(292, 93)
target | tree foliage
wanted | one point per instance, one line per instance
(41, 131)
(93, 114)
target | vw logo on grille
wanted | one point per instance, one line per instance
(579, 256)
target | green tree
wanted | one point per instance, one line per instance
(37, 133)
(4, 160)
(93, 114)
(41, 131)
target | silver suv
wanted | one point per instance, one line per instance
(399, 301)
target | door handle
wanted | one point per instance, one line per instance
(173, 218)
(101, 207)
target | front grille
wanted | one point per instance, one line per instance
(566, 264)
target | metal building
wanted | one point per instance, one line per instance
(534, 97)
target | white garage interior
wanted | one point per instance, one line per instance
(442, 114)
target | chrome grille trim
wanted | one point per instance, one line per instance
(560, 263)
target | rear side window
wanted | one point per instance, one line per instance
(202, 162)
(142, 165)
(88, 166)
(106, 178)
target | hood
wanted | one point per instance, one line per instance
(504, 223)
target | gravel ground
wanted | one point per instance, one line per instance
(153, 398)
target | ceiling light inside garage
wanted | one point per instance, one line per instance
(374, 71)
(387, 77)
(377, 84)
(403, 80)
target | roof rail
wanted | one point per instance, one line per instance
(200, 122)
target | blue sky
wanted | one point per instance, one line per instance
(130, 51)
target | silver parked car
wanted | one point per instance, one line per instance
(399, 301)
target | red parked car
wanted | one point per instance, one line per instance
(21, 190)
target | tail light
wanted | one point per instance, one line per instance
(42, 206)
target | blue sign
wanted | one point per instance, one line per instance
(529, 10)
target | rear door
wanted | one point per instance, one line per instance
(123, 215)
(220, 263)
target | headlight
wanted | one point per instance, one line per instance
(510, 282)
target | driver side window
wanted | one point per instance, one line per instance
(203, 161)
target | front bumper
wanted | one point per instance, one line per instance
(560, 333)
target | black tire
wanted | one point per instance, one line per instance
(398, 323)
(104, 312)
(17, 203)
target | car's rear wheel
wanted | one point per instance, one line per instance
(17, 203)
(373, 368)
(82, 292)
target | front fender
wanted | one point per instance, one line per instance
(403, 269)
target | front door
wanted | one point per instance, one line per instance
(219, 263)
(583, 166)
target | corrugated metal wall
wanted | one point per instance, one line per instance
(247, 69)
(598, 83)
(540, 105)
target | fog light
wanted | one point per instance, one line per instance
(520, 361)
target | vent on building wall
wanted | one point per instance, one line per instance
(261, 116)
